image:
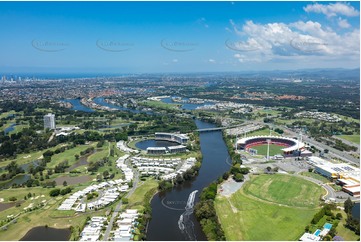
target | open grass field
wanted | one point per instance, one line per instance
(245, 216)
(352, 138)
(6, 114)
(27, 157)
(159, 104)
(273, 149)
(100, 154)
(316, 176)
(285, 190)
(137, 198)
(68, 155)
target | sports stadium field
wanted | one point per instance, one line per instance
(273, 149)
(269, 207)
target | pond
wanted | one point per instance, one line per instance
(43, 233)
(19, 179)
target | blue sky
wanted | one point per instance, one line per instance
(139, 37)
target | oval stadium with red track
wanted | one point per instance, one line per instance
(292, 147)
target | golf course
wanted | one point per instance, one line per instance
(288, 204)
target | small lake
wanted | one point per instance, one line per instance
(72, 180)
(19, 179)
(77, 105)
(9, 129)
(43, 233)
(144, 144)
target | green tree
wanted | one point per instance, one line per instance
(348, 204)
(105, 174)
(55, 192)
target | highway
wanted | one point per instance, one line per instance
(337, 153)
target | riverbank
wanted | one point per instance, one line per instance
(168, 206)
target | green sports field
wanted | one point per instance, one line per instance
(269, 207)
(273, 149)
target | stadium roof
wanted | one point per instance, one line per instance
(297, 145)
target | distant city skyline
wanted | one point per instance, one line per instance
(177, 37)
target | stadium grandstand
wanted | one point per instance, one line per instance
(293, 147)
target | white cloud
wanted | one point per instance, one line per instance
(332, 9)
(343, 23)
(212, 61)
(203, 22)
(175, 60)
(295, 41)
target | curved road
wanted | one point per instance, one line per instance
(119, 206)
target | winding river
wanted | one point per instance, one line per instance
(172, 211)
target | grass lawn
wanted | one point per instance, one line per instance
(245, 218)
(27, 157)
(273, 149)
(345, 233)
(104, 152)
(68, 155)
(352, 138)
(316, 176)
(285, 190)
(6, 114)
(137, 198)
(162, 105)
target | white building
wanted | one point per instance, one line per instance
(49, 121)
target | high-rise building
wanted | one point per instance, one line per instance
(49, 121)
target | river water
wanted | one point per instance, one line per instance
(167, 207)
(172, 211)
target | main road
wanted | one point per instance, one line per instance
(119, 206)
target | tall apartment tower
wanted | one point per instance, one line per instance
(49, 121)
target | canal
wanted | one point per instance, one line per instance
(167, 207)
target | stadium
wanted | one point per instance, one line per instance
(292, 147)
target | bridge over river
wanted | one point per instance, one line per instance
(218, 128)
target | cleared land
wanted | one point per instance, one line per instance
(273, 149)
(352, 138)
(262, 210)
